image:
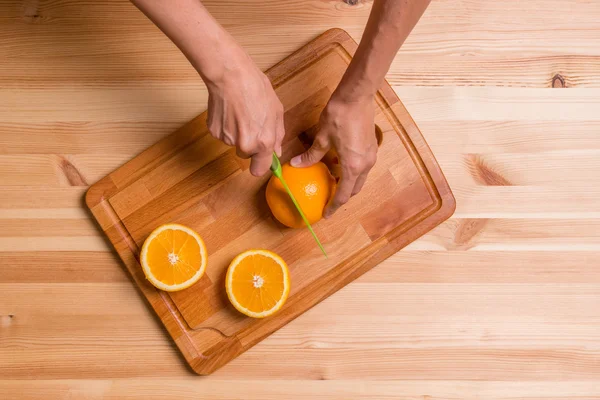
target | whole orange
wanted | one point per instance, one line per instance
(311, 186)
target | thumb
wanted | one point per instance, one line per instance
(311, 156)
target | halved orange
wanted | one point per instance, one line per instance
(173, 257)
(257, 283)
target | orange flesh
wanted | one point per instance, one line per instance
(174, 257)
(257, 283)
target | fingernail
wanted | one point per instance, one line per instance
(294, 162)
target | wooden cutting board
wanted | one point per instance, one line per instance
(192, 179)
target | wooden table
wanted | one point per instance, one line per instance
(500, 302)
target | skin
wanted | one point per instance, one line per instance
(245, 112)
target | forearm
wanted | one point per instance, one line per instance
(205, 43)
(390, 23)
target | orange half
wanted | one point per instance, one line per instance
(257, 283)
(173, 257)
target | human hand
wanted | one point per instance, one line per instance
(347, 126)
(245, 112)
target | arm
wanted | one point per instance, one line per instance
(347, 122)
(243, 109)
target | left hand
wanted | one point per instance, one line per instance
(349, 127)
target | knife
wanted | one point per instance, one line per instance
(276, 169)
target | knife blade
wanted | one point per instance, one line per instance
(276, 169)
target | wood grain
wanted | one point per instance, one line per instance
(465, 43)
(183, 389)
(501, 56)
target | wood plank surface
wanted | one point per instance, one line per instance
(502, 308)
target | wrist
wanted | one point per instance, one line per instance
(341, 108)
(226, 61)
(355, 88)
(352, 94)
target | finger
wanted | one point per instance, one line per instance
(313, 155)
(360, 182)
(241, 154)
(342, 194)
(246, 145)
(214, 121)
(226, 139)
(215, 130)
(261, 162)
(280, 132)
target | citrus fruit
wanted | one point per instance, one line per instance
(311, 186)
(257, 283)
(173, 257)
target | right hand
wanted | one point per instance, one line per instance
(346, 124)
(245, 112)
